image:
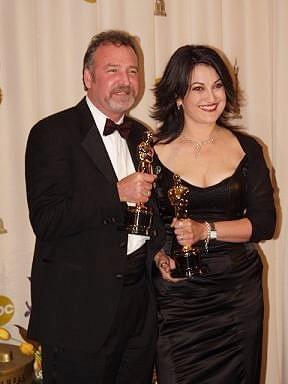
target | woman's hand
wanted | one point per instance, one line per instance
(188, 231)
(165, 265)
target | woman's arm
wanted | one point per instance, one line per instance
(189, 232)
(259, 218)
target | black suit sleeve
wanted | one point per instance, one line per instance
(260, 208)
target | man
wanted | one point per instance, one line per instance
(92, 309)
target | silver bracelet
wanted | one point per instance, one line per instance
(211, 234)
(206, 241)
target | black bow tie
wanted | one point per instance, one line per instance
(123, 129)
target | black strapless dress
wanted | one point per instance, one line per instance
(210, 328)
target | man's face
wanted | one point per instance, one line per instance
(113, 80)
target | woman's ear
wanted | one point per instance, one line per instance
(179, 104)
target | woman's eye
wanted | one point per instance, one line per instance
(197, 89)
(219, 85)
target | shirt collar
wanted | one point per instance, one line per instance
(99, 117)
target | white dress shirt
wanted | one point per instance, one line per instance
(121, 160)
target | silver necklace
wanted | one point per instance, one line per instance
(196, 144)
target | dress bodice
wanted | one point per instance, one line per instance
(222, 201)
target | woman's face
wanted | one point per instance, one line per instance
(205, 99)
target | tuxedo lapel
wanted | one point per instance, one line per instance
(95, 148)
(132, 145)
(93, 144)
(135, 137)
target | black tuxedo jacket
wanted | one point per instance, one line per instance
(77, 217)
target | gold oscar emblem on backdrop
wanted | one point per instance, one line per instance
(2, 229)
(187, 259)
(159, 9)
(139, 218)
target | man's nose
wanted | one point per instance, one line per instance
(125, 79)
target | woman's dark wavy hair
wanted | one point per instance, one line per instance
(174, 84)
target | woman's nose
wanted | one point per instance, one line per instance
(211, 96)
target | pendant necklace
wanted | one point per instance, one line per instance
(195, 144)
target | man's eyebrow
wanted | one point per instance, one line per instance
(111, 65)
(119, 65)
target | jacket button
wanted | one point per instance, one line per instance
(106, 221)
(123, 244)
(118, 275)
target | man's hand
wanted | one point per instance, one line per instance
(136, 188)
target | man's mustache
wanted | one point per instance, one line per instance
(123, 88)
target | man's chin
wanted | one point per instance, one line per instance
(122, 107)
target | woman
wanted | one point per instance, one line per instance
(210, 326)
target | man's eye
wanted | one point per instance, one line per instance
(112, 70)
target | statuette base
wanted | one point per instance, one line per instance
(139, 220)
(188, 264)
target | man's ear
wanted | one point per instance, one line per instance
(87, 78)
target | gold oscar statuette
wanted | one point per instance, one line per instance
(187, 258)
(15, 367)
(139, 217)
